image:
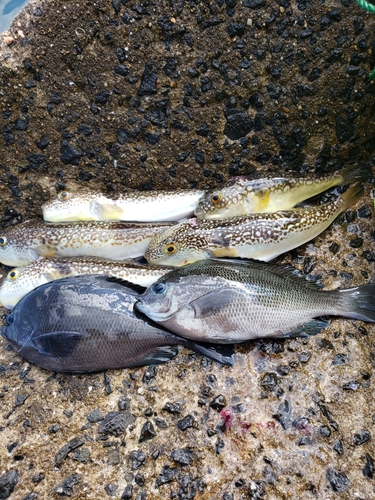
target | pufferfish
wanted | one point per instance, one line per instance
(243, 196)
(256, 236)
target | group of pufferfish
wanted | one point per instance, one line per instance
(68, 315)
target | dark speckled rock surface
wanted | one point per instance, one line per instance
(122, 95)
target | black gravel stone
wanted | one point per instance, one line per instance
(115, 423)
(369, 468)
(238, 123)
(30, 496)
(270, 381)
(338, 480)
(283, 414)
(340, 359)
(356, 242)
(111, 489)
(148, 83)
(344, 129)
(102, 97)
(365, 212)
(173, 408)
(68, 154)
(121, 69)
(137, 459)
(362, 437)
(369, 255)
(338, 447)
(150, 374)
(67, 448)
(35, 160)
(128, 492)
(254, 4)
(21, 124)
(334, 248)
(123, 403)
(166, 475)
(66, 488)
(218, 403)
(147, 432)
(82, 455)
(8, 482)
(256, 490)
(95, 416)
(185, 423)
(235, 29)
(182, 456)
(43, 143)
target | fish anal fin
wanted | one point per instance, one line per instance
(312, 327)
(159, 355)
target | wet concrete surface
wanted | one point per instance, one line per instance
(178, 94)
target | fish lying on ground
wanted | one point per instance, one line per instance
(228, 301)
(244, 196)
(21, 280)
(257, 236)
(111, 240)
(86, 324)
(147, 206)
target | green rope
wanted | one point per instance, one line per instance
(366, 5)
(370, 8)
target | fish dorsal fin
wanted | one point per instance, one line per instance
(133, 286)
(285, 271)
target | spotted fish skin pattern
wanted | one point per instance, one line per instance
(111, 240)
(87, 324)
(141, 206)
(256, 236)
(20, 281)
(244, 196)
(234, 301)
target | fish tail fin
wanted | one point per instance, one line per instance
(223, 354)
(355, 173)
(352, 195)
(360, 302)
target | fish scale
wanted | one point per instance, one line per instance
(230, 301)
(112, 240)
(258, 236)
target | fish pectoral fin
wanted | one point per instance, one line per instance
(57, 344)
(106, 211)
(223, 252)
(45, 251)
(211, 302)
(33, 254)
(160, 355)
(312, 327)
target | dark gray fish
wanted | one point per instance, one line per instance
(232, 301)
(86, 324)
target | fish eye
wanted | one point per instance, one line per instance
(215, 198)
(171, 249)
(63, 195)
(13, 274)
(3, 241)
(158, 288)
(10, 319)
